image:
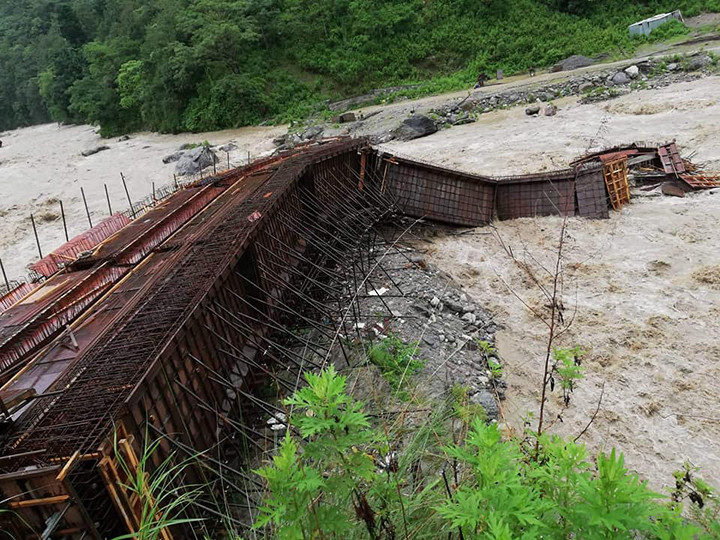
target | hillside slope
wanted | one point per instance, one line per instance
(196, 65)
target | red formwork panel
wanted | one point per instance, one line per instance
(12, 296)
(86, 241)
(37, 317)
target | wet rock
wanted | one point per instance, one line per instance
(430, 340)
(672, 66)
(415, 127)
(469, 318)
(633, 72)
(311, 133)
(550, 110)
(173, 157)
(487, 400)
(533, 110)
(673, 189)
(229, 147)
(91, 151)
(280, 140)
(124, 138)
(435, 301)
(195, 160)
(452, 305)
(619, 78)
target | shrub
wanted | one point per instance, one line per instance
(397, 362)
(329, 480)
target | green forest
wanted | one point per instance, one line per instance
(199, 65)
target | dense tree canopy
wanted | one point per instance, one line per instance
(174, 65)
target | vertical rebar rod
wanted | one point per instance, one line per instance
(87, 211)
(153, 193)
(107, 196)
(127, 194)
(175, 180)
(7, 283)
(228, 159)
(62, 213)
(37, 239)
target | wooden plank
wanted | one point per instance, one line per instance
(64, 471)
(46, 501)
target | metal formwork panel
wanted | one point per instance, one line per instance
(591, 193)
(670, 158)
(439, 194)
(14, 295)
(532, 198)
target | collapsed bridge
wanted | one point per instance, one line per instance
(168, 327)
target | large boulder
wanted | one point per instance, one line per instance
(415, 127)
(172, 158)
(550, 110)
(619, 79)
(311, 133)
(195, 160)
(229, 147)
(633, 72)
(674, 189)
(698, 62)
(91, 151)
(574, 62)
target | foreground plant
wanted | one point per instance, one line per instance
(330, 482)
(327, 483)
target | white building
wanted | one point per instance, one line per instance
(648, 25)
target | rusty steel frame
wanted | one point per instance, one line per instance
(460, 198)
(204, 307)
(121, 375)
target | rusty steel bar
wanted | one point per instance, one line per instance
(87, 210)
(107, 197)
(127, 194)
(37, 239)
(62, 213)
(7, 283)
